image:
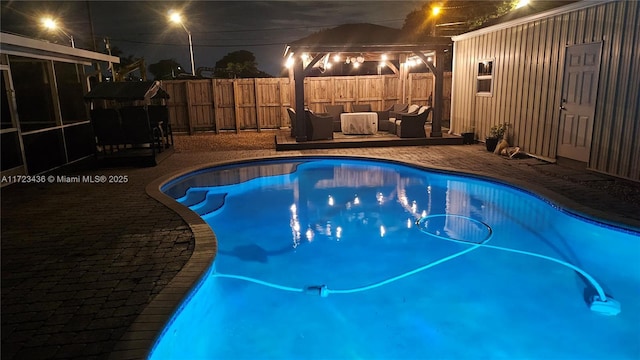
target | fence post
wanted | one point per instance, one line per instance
(216, 116)
(383, 89)
(281, 105)
(402, 75)
(188, 100)
(333, 90)
(255, 96)
(236, 100)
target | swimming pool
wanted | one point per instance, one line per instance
(351, 258)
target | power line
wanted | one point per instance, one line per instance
(276, 29)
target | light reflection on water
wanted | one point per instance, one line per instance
(349, 223)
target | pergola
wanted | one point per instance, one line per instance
(368, 42)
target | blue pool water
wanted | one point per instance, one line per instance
(322, 258)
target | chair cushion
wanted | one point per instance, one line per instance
(413, 108)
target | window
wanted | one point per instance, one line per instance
(484, 82)
(5, 116)
(32, 85)
(70, 92)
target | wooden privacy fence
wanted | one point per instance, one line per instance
(261, 103)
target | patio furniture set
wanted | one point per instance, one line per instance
(402, 120)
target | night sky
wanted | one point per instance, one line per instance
(141, 29)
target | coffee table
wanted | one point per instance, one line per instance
(359, 123)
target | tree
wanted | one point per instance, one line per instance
(125, 61)
(455, 16)
(238, 64)
(166, 69)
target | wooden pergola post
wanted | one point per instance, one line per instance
(299, 73)
(438, 102)
(298, 79)
(437, 68)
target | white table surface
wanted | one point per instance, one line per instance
(359, 123)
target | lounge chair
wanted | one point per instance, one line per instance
(412, 125)
(335, 111)
(361, 108)
(319, 126)
(292, 119)
(395, 116)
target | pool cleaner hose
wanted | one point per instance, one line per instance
(599, 303)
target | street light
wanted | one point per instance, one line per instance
(435, 11)
(51, 24)
(176, 17)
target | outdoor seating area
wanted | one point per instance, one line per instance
(398, 125)
(362, 120)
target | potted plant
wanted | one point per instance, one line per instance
(468, 136)
(496, 132)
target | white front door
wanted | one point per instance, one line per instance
(578, 104)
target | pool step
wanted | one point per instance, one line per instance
(212, 202)
(193, 197)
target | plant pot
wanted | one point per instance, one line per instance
(468, 138)
(491, 143)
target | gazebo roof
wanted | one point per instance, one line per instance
(366, 38)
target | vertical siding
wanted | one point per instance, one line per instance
(528, 78)
(615, 146)
(545, 126)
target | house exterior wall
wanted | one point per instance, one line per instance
(45, 121)
(528, 61)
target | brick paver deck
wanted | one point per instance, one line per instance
(81, 262)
